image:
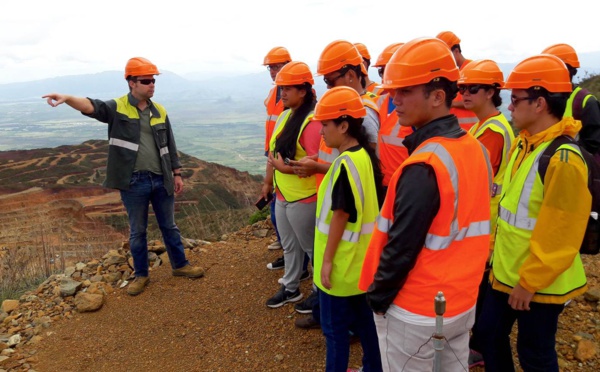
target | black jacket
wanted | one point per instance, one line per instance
(416, 204)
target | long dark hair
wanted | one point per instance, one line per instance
(357, 131)
(286, 142)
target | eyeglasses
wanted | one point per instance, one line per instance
(331, 82)
(146, 81)
(275, 67)
(472, 89)
(380, 71)
(514, 100)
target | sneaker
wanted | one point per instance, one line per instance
(282, 297)
(189, 271)
(275, 245)
(305, 307)
(475, 359)
(278, 264)
(307, 322)
(138, 285)
(305, 276)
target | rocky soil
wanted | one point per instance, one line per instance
(83, 320)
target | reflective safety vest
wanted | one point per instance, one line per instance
(390, 149)
(520, 204)
(569, 110)
(373, 88)
(274, 108)
(466, 118)
(500, 125)
(456, 246)
(326, 154)
(292, 187)
(350, 253)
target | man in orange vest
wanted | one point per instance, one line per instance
(466, 118)
(433, 230)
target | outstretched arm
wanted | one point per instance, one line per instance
(78, 103)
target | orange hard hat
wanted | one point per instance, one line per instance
(277, 55)
(564, 52)
(338, 54)
(338, 102)
(138, 66)
(449, 38)
(386, 54)
(542, 70)
(483, 71)
(418, 62)
(294, 73)
(362, 49)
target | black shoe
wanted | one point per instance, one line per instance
(306, 306)
(277, 264)
(282, 297)
(307, 323)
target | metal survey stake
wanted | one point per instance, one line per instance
(438, 337)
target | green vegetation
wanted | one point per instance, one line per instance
(591, 83)
(260, 215)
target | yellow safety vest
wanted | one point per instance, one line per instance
(520, 203)
(292, 187)
(500, 125)
(350, 254)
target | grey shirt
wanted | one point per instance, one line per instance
(371, 124)
(148, 158)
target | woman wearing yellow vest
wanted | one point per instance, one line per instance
(480, 82)
(346, 211)
(536, 266)
(295, 136)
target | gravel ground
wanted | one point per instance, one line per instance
(221, 323)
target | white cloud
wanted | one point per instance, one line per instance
(41, 39)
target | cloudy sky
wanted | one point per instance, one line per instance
(43, 39)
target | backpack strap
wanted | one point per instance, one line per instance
(549, 152)
(578, 102)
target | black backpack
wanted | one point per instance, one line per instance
(591, 241)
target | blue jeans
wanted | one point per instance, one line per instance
(338, 316)
(145, 188)
(536, 338)
(273, 219)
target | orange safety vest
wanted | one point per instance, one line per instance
(390, 150)
(373, 88)
(273, 110)
(326, 154)
(456, 247)
(466, 118)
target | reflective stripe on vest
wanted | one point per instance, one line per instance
(322, 226)
(474, 229)
(125, 144)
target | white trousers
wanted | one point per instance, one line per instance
(408, 347)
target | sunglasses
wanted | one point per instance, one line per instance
(380, 70)
(331, 82)
(472, 89)
(146, 81)
(514, 100)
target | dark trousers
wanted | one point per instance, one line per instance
(338, 315)
(536, 336)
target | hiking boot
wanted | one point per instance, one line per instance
(307, 322)
(306, 306)
(138, 285)
(305, 276)
(475, 359)
(282, 297)
(189, 271)
(275, 245)
(277, 264)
